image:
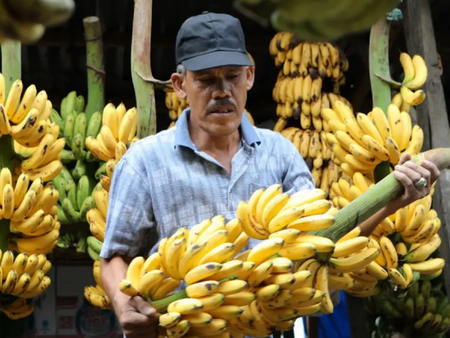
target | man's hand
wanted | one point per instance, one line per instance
(136, 316)
(408, 174)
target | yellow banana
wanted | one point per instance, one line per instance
(420, 73)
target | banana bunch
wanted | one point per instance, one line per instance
(117, 133)
(75, 198)
(311, 20)
(361, 142)
(96, 216)
(95, 294)
(35, 137)
(75, 128)
(174, 104)
(22, 277)
(422, 311)
(31, 209)
(72, 239)
(416, 72)
(26, 20)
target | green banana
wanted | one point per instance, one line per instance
(72, 215)
(61, 215)
(68, 128)
(80, 127)
(94, 125)
(67, 156)
(59, 183)
(72, 196)
(63, 108)
(79, 170)
(71, 100)
(94, 255)
(431, 304)
(409, 307)
(442, 302)
(425, 289)
(94, 243)
(390, 309)
(77, 147)
(82, 190)
(101, 171)
(82, 245)
(419, 306)
(414, 289)
(54, 117)
(67, 176)
(79, 104)
(445, 312)
(88, 204)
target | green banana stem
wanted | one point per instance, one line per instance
(377, 197)
(379, 68)
(161, 305)
(140, 68)
(12, 70)
(11, 62)
(95, 66)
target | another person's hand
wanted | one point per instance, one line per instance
(408, 174)
(136, 316)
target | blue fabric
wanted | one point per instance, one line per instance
(158, 187)
(335, 325)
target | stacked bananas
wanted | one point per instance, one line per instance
(76, 198)
(95, 294)
(422, 311)
(361, 142)
(75, 128)
(35, 137)
(21, 277)
(317, 21)
(31, 209)
(26, 21)
(415, 75)
(305, 69)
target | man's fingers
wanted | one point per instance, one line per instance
(143, 307)
(404, 158)
(411, 174)
(422, 171)
(431, 167)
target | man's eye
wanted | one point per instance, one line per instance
(234, 76)
(205, 80)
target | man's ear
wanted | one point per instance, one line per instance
(178, 85)
(250, 71)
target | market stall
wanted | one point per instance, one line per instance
(78, 95)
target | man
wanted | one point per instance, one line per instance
(212, 159)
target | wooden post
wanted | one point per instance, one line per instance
(432, 114)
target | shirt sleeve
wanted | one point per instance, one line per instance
(297, 175)
(130, 213)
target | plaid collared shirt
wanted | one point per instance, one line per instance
(164, 182)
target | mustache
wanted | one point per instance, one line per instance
(215, 105)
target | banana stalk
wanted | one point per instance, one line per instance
(379, 75)
(95, 66)
(11, 69)
(378, 197)
(141, 72)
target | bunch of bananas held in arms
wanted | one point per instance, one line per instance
(27, 120)
(307, 69)
(26, 20)
(234, 292)
(21, 278)
(312, 20)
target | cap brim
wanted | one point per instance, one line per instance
(217, 59)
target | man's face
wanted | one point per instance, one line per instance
(216, 96)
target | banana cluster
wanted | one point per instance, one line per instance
(422, 311)
(26, 21)
(22, 277)
(416, 72)
(75, 198)
(75, 128)
(31, 209)
(117, 133)
(95, 294)
(361, 142)
(27, 120)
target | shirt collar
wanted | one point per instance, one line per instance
(182, 137)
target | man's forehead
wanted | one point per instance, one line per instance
(218, 70)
